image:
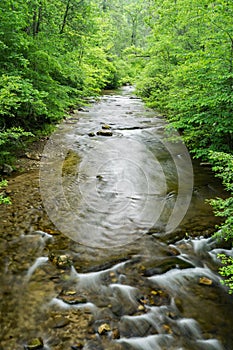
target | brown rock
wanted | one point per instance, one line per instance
(205, 281)
(35, 344)
(106, 127)
(104, 328)
(104, 133)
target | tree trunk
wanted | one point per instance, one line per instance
(65, 17)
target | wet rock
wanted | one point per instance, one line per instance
(167, 329)
(156, 297)
(33, 156)
(34, 344)
(72, 297)
(115, 333)
(59, 322)
(167, 264)
(172, 315)
(206, 164)
(205, 281)
(81, 109)
(179, 304)
(141, 308)
(106, 127)
(7, 169)
(104, 328)
(172, 250)
(104, 133)
(78, 345)
(61, 261)
(91, 134)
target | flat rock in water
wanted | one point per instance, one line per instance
(72, 297)
(205, 281)
(104, 132)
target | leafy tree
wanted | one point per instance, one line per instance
(188, 76)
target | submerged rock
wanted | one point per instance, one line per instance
(78, 346)
(70, 163)
(91, 134)
(156, 297)
(59, 322)
(34, 344)
(61, 261)
(72, 297)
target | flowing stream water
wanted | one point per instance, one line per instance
(115, 249)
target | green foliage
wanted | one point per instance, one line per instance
(3, 198)
(10, 141)
(189, 73)
(189, 77)
(54, 53)
(223, 166)
(227, 271)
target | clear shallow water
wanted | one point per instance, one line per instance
(118, 204)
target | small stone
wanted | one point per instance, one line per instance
(34, 344)
(78, 345)
(106, 127)
(167, 329)
(205, 281)
(33, 156)
(104, 328)
(61, 261)
(141, 308)
(172, 315)
(115, 333)
(91, 134)
(158, 298)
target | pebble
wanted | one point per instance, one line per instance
(104, 328)
(35, 344)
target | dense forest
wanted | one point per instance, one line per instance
(178, 53)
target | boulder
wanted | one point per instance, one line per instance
(104, 132)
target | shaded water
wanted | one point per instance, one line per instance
(119, 252)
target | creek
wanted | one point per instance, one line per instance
(110, 245)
